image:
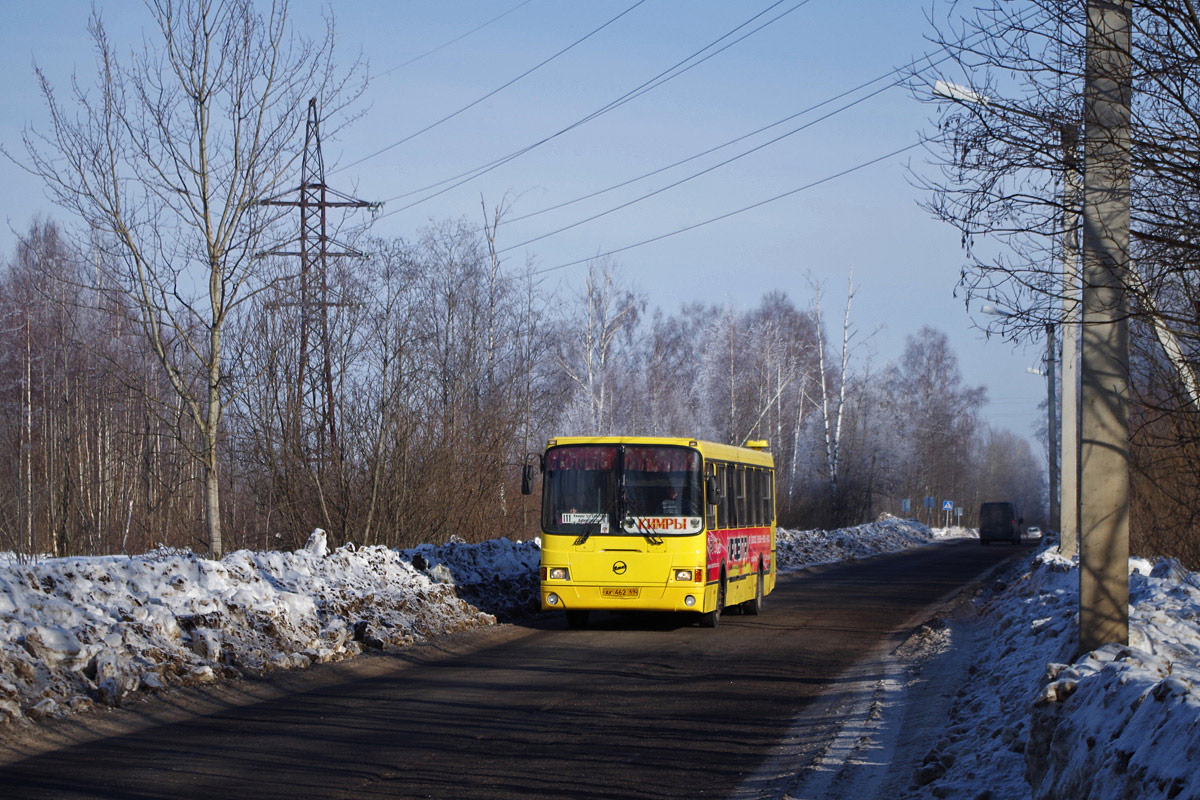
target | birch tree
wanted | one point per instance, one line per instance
(604, 311)
(833, 408)
(936, 416)
(165, 160)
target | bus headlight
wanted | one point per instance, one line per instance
(683, 574)
(559, 574)
(689, 601)
(552, 599)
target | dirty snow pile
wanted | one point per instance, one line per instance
(1118, 722)
(498, 575)
(74, 631)
(799, 549)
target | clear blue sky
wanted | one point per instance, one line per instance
(905, 264)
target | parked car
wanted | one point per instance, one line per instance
(998, 521)
(1034, 532)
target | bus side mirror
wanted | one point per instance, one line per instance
(713, 490)
(527, 473)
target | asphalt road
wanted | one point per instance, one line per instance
(632, 707)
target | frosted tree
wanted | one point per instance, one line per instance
(604, 312)
(165, 161)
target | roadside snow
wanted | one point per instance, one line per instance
(77, 631)
(74, 631)
(497, 576)
(1124, 721)
(799, 549)
(1025, 721)
(1016, 719)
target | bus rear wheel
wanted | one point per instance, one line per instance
(754, 607)
(577, 619)
(712, 618)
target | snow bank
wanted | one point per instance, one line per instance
(1125, 721)
(1119, 722)
(498, 576)
(799, 549)
(1025, 619)
(78, 630)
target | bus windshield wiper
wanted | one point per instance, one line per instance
(626, 516)
(593, 527)
(583, 537)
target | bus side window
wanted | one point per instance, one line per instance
(727, 504)
(754, 490)
(710, 508)
(739, 494)
(768, 497)
(730, 497)
(748, 491)
(744, 502)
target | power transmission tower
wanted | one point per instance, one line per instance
(315, 365)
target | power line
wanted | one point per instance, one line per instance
(455, 40)
(898, 70)
(932, 60)
(742, 210)
(666, 75)
(493, 92)
(701, 173)
(901, 70)
(669, 74)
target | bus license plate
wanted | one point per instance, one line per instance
(624, 591)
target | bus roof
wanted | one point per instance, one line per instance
(710, 450)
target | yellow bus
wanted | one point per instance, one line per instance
(656, 524)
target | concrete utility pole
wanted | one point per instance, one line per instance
(1064, 515)
(1104, 435)
(1052, 422)
(1068, 520)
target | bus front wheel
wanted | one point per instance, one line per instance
(712, 618)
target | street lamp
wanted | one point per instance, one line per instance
(1104, 369)
(959, 94)
(1064, 515)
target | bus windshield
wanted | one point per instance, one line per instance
(627, 489)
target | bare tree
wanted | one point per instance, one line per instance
(89, 469)
(589, 345)
(1006, 469)
(165, 161)
(832, 417)
(1006, 147)
(936, 417)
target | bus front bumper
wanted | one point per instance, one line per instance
(675, 597)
